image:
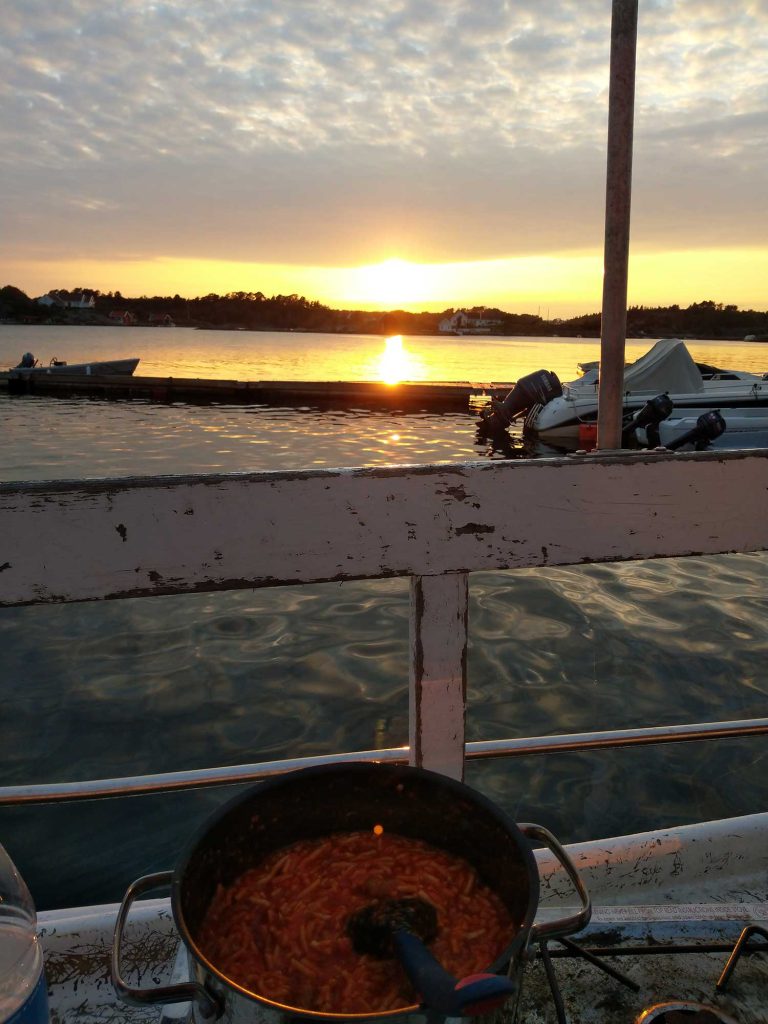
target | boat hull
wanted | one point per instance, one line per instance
(745, 411)
(666, 369)
(121, 367)
(747, 427)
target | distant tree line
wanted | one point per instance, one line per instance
(254, 311)
(699, 320)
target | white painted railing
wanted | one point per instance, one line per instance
(139, 537)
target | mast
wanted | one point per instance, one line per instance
(618, 190)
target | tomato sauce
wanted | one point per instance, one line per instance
(280, 929)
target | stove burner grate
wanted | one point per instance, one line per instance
(669, 1012)
(738, 949)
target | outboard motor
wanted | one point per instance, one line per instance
(649, 417)
(534, 389)
(709, 426)
(27, 361)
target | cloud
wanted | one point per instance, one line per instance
(328, 132)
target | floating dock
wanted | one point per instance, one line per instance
(412, 397)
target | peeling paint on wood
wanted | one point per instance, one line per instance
(319, 525)
(438, 685)
(475, 528)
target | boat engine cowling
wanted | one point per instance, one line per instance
(709, 426)
(648, 418)
(534, 389)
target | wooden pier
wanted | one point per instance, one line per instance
(411, 397)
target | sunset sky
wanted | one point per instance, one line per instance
(411, 153)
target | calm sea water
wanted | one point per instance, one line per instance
(94, 691)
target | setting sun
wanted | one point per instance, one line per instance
(395, 282)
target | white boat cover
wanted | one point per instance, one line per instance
(668, 366)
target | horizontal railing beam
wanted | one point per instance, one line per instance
(142, 785)
(90, 540)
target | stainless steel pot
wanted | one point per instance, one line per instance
(316, 802)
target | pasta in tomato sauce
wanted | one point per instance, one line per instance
(280, 929)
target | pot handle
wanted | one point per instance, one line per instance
(566, 925)
(186, 992)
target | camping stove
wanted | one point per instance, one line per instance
(670, 964)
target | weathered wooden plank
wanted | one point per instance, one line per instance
(93, 539)
(438, 672)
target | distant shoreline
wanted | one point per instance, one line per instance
(254, 311)
(464, 337)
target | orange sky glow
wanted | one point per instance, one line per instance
(557, 285)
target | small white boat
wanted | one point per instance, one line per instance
(743, 428)
(28, 364)
(559, 412)
(693, 388)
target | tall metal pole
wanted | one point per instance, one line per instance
(618, 191)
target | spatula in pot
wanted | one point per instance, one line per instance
(403, 928)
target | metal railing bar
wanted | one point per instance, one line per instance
(647, 736)
(196, 778)
(143, 785)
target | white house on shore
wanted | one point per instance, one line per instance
(82, 300)
(51, 300)
(463, 323)
(77, 300)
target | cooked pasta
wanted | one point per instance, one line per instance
(280, 929)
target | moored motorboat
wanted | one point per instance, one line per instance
(95, 367)
(668, 367)
(553, 411)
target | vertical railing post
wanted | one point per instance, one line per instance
(438, 672)
(618, 190)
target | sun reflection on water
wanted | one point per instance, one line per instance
(396, 364)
